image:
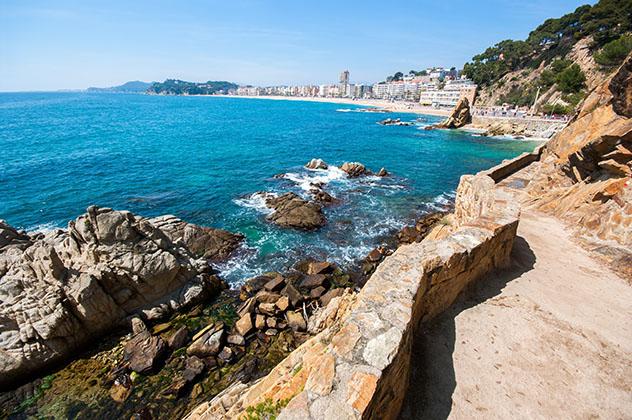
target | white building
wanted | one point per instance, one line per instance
(449, 95)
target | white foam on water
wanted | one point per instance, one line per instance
(256, 201)
(43, 228)
(344, 110)
(315, 176)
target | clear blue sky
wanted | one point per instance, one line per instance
(47, 45)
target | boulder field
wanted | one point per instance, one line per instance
(60, 289)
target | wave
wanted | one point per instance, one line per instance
(256, 201)
(307, 179)
(43, 228)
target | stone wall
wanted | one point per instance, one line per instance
(358, 367)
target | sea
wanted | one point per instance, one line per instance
(205, 159)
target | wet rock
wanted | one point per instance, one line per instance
(395, 121)
(178, 338)
(208, 344)
(192, 368)
(382, 172)
(320, 267)
(423, 226)
(323, 197)
(244, 325)
(143, 351)
(236, 340)
(354, 169)
(296, 321)
(291, 211)
(314, 280)
(252, 286)
(316, 164)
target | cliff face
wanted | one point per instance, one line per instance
(62, 288)
(584, 174)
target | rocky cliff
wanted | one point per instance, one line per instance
(60, 289)
(584, 176)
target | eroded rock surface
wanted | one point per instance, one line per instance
(292, 211)
(60, 289)
(459, 117)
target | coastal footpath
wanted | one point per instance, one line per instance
(359, 366)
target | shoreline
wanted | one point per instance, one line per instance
(400, 107)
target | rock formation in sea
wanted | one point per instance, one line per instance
(459, 117)
(60, 289)
(316, 164)
(292, 211)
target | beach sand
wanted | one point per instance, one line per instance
(401, 106)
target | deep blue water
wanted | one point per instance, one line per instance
(200, 158)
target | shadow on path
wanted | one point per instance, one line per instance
(432, 380)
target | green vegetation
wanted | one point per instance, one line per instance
(45, 384)
(180, 87)
(614, 52)
(571, 79)
(605, 21)
(266, 410)
(558, 109)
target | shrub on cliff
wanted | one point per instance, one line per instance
(571, 79)
(613, 53)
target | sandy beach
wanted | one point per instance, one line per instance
(401, 106)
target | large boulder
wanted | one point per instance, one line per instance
(292, 211)
(354, 169)
(459, 117)
(61, 289)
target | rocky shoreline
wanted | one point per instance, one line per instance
(112, 272)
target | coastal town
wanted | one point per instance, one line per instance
(436, 87)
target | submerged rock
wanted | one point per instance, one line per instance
(395, 121)
(60, 289)
(292, 211)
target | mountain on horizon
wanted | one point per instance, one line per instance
(135, 86)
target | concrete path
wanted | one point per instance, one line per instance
(551, 337)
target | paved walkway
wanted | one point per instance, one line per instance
(549, 338)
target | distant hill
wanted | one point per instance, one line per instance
(559, 62)
(129, 87)
(180, 87)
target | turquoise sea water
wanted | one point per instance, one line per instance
(202, 158)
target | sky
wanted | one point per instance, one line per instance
(67, 44)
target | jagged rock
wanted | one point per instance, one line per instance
(244, 325)
(316, 164)
(319, 267)
(354, 169)
(203, 242)
(137, 325)
(271, 322)
(296, 321)
(267, 297)
(295, 297)
(247, 307)
(323, 197)
(382, 172)
(252, 286)
(208, 344)
(178, 338)
(459, 117)
(143, 351)
(61, 289)
(293, 212)
(621, 88)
